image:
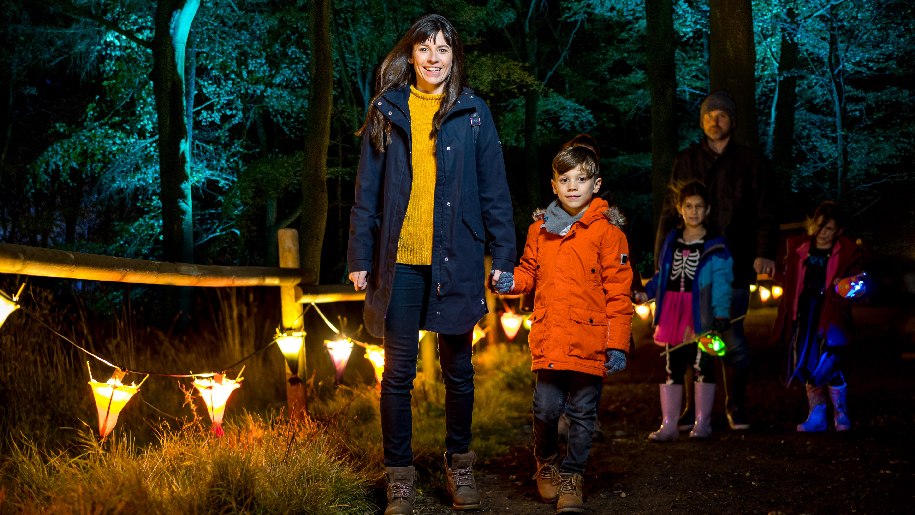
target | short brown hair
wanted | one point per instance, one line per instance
(577, 154)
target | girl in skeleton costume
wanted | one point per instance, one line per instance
(692, 290)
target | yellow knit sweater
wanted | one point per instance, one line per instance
(415, 245)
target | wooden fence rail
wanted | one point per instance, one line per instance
(24, 260)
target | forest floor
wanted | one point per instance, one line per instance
(769, 469)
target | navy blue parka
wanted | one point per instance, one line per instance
(472, 202)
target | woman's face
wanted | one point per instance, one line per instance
(431, 60)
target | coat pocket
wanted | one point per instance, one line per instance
(588, 334)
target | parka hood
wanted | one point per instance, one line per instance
(613, 213)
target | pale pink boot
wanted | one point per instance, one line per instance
(705, 399)
(671, 399)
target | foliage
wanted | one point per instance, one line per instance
(259, 466)
(81, 169)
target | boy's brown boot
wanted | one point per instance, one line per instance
(401, 493)
(571, 499)
(547, 478)
(461, 484)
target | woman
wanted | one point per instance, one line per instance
(431, 180)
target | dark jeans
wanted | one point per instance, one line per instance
(738, 354)
(406, 315)
(576, 393)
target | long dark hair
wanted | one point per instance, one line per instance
(396, 72)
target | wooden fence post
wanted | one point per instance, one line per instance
(296, 395)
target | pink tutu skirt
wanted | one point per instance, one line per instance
(676, 324)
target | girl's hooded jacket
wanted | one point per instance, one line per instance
(835, 324)
(711, 293)
(582, 304)
(471, 201)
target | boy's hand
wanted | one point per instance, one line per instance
(640, 297)
(616, 361)
(503, 282)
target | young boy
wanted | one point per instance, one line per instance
(577, 259)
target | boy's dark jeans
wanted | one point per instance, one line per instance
(576, 393)
(406, 314)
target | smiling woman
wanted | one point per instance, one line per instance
(430, 188)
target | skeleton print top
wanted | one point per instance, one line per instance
(685, 261)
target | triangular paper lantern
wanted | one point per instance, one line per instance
(215, 392)
(110, 398)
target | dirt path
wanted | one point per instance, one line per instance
(770, 469)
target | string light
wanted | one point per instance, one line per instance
(511, 324)
(375, 355)
(110, 398)
(340, 350)
(291, 344)
(9, 304)
(215, 390)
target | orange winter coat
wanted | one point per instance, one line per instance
(582, 304)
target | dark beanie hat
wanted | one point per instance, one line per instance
(719, 101)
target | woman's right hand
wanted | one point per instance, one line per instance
(359, 280)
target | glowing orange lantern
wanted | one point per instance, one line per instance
(527, 321)
(643, 311)
(511, 324)
(8, 304)
(339, 353)
(764, 294)
(110, 398)
(777, 291)
(375, 354)
(215, 391)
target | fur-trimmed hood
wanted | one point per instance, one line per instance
(613, 214)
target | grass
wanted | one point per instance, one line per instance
(162, 458)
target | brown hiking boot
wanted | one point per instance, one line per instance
(570, 493)
(401, 493)
(461, 485)
(547, 478)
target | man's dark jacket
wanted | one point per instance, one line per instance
(740, 184)
(471, 201)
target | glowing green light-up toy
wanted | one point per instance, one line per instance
(711, 343)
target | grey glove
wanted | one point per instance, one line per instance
(505, 283)
(616, 361)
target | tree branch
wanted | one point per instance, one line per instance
(81, 13)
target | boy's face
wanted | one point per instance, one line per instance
(575, 189)
(827, 233)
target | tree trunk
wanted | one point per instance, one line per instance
(314, 176)
(732, 61)
(782, 141)
(662, 82)
(531, 103)
(172, 23)
(837, 92)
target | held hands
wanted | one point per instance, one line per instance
(359, 280)
(616, 361)
(502, 282)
